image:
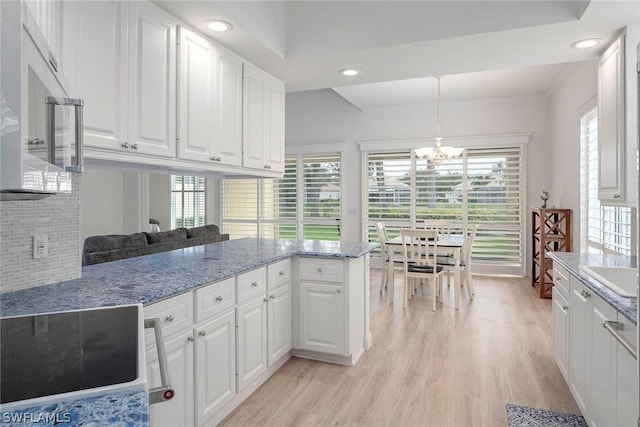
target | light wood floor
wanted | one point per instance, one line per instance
(439, 369)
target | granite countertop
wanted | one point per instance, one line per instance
(571, 261)
(151, 278)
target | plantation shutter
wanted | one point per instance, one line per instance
(321, 189)
(279, 219)
(240, 207)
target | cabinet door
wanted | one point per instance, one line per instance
(152, 80)
(177, 412)
(196, 130)
(251, 321)
(227, 140)
(253, 126)
(48, 17)
(215, 373)
(601, 404)
(560, 314)
(280, 338)
(627, 404)
(274, 122)
(578, 325)
(101, 72)
(611, 123)
(322, 318)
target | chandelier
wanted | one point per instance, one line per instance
(438, 153)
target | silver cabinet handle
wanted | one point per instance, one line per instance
(218, 298)
(565, 307)
(319, 270)
(202, 333)
(613, 328)
(35, 141)
(585, 294)
(125, 145)
(617, 196)
(78, 105)
(134, 146)
(170, 318)
(265, 300)
(281, 274)
(338, 291)
(272, 296)
(165, 391)
(254, 284)
(191, 338)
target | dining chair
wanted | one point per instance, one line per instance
(419, 249)
(442, 225)
(386, 255)
(448, 263)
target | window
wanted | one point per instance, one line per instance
(304, 204)
(187, 201)
(605, 229)
(483, 187)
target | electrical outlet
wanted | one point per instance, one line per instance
(40, 246)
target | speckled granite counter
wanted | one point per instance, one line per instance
(130, 409)
(149, 279)
(152, 278)
(571, 261)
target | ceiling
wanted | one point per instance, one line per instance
(397, 44)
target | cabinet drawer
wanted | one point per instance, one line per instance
(278, 274)
(215, 299)
(175, 314)
(561, 280)
(251, 284)
(322, 270)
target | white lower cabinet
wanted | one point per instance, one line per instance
(215, 375)
(279, 312)
(251, 319)
(322, 319)
(177, 412)
(602, 375)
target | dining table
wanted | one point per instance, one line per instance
(450, 244)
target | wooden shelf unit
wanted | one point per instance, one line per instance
(550, 232)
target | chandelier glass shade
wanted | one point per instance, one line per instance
(438, 153)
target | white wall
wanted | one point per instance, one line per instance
(160, 199)
(317, 117)
(573, 97)
(101, 203)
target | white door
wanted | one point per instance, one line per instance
(275, 125)
(560, 313)
(152, 80)
(196, 127)
(177, 412)
(215, 373)
(280, 338)
(251, 321)
(578, 313)
(253, 126)
(602, 374)
(226, 144)
(102, 71)
(322, 318)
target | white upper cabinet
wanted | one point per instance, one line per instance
(100, 77)
(263, 127)
(152, 80)
(611, 123)
(210, 107)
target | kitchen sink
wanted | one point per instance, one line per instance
(621, 280)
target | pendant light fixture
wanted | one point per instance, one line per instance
(438, 153)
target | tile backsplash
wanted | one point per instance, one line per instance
(57, 216)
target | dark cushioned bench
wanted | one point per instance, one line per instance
(113, 247)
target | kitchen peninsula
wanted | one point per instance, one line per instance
(231, 313)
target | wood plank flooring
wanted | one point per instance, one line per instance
(439, 369)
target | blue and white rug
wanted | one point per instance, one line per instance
(524, 416)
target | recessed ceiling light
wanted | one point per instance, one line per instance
(349, 72)
(219, 26)
(583, 44)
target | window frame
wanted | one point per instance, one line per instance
(173, 209)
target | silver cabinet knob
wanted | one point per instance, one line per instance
(202, 333)
(218, 298)
(191, 338)
(125, 145)
(272, 296)
(254, 284)
(266, 300)
(170, 318)
(281, 274)
(319, 270)
(134, 146)
(338, 291)
(565, 307)
(617, 196)
(213, 158)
